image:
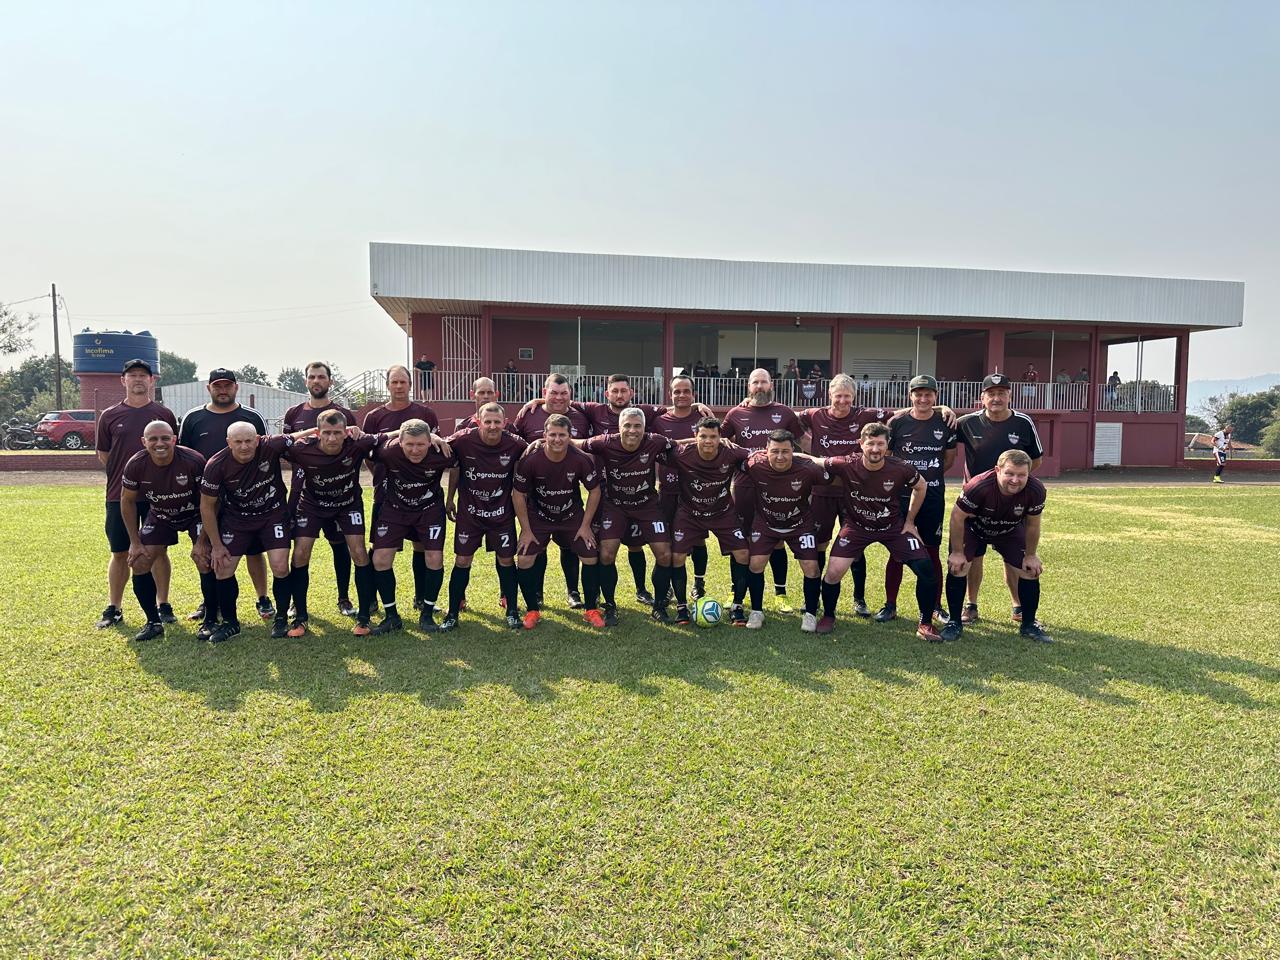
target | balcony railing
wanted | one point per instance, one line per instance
(1145, 397)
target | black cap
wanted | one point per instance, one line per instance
(995, 380)
(137, 362)
(222, 373)
(923, 382)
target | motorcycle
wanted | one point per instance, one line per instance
(20, 436)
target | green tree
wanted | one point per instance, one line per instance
(251, 374)
(1271, 438)
(14, 331)
(1249, 413)
(292, 378)
(1197, 424)
(34, 377)
(175, 369)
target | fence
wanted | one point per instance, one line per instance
(1145, 397)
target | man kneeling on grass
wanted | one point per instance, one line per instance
(1000, 508)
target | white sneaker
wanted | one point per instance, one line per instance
(755, 620)
(809, 622)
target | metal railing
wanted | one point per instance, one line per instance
(1145, 397)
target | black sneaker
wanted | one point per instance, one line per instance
(265, 608)
(151, 631)
(390, 624)
(952, 631)
(110, 617)
(682, 615)
(197, 613)
(860, 607)
(660, 614)
(427, 620)
(279, 628)
(886, 613)
(166, 613)
(346, 608)
(448, 623)
(513, 620)
(610, 614)
(738, 618)
(941, 616)
(1033, 631)
(574, 598)
(226, 630)
(206, 629)
(699, 588)
(645, 597)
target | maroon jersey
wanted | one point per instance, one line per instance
(750, 426)
(410, 487)
(604, 419)
(704, 485)
(530, 423)
(173, 491)
(924, 445)
(994, 514)
(782, 498)
(381, 419)
(249, 491)
(873, 498)
(302, 416)
(629, 474)
(674, 428)
(551, 487)
(832, 436)
(486, 475)
(120, 436)
(331, 481)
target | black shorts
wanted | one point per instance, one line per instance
(932, 516)
(117, 535)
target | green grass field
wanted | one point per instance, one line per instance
(652, 791)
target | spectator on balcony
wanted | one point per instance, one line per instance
(1113, 386)
(1063, 376)
(792, 372)
(699, 369)
(424, 366)
(815, 372)
(1083, 375)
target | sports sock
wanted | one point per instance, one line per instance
(144, 588)
(539, 572)
(755, 586)
(926, 588)
(680, 584)
(385, 581)
(661, 584)
(830, 597)
(431, 585)
(419, 575)
(639, 568)
(608, 582)
(209, 595)
(458, 580)
(738, 577)
(528, 582)
(569, 565)
(812, 590)
(778, 564)
(956, 587)
(590, 585)
(699, 557)
(510, 586)
(282, 591)
(1029, 599)
(936, 560)
(301, 577)
(859, 568)
(342, 569)
(364, 591)
(892, 581)
(228, 594)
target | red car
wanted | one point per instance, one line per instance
(69, 429)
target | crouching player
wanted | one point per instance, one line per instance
(412, 463)
(1000, 508)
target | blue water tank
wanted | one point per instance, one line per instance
(109, 350)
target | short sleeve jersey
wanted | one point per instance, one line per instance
(173, 491)
(924, 445)
(604, 419)
(1220, 441)
(302, 416)
(120, 436)
(205, 430)
(381, 419)
(551, 487)
(629, 479)
(782, 498)
(705, 484)
(331, 481)
(873, 498)
(993, 513)
(248, 491)
(531, 422)
(985, 439)
(832, 436)
(674, 428)
(750, 426)
(486, 474)
(409, 487)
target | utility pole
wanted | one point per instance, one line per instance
(57, 353)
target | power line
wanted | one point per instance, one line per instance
(14, 303)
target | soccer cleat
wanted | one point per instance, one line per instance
(886, 613)
(362, 628)
(826, 625)
(610, 614)
(808, 622)
(448, 624)
(346, 608)
(1033, 631)
(427, 620)
(531, 618)
(682, 615)
(940, 616)
(513, 620)
(659, 614)
(969, 614)
(206, 629)
(594, 618)
(166, 613)
(782, 604)
(110, 617)
(151, 631)
(197, 613)
(390, 624)
(699, 588)
(279, 628)
(860, 607)
(738, 616)
(1217, 480)
(755, 620)
(226, 630)
(265, 610)
(926, 631)
(953, 630)
(645, 597)
(298, 628)
(574, 599)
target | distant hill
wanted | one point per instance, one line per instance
(1200, 390)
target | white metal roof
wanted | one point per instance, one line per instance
(417, 278)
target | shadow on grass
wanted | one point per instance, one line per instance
(330, 667)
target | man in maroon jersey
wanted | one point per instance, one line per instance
(485, 473)
(783, 485)
(411, 462)
(681, 422)
(167, 478)
(1000, 508)
(705, 471)
(119, 437)
(301, 417)
(749, 425)
(549, 506)
(874, 484)
(331, 498)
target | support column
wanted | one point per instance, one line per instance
(1181, 365)
(486, 342)
(837, 346)
(995, 351)
(668, 352)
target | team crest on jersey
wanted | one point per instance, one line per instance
(182, 479)
(888, 484)
(462, 537)
(606, 524)
(227, 536)
(679, 534)
(797, 484)
(776, 417)
(937, 434)
(1017, 511)
(644, 458)
(302, 521)
(382, 529)
(1014, 437)
(570, 477)
(755, 535)
(345, 461)
(724, 468)
(264, 466)
(504, 460)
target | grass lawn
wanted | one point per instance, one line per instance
(652, 791)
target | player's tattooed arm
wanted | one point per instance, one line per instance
(1031, 561)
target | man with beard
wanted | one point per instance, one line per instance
(485, 473)
(167, 478)
(548, 503)
(749, 425)
(119, 437)
(999, 508)
(204, 430)
(874, 484)
(681, 422)
(986, 434)
(301, 417)
(411, 464)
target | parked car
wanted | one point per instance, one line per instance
(68, 429)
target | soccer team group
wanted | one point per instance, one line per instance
(823, 484)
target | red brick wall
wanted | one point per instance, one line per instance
(48, 460)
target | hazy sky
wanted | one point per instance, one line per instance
(177, 165)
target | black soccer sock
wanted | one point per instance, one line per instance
(956, 588)
(892, 581)
(1218, 472)
(812, 590)
(608, 582)
(282, 591)
(699, 557)
(926, 587)
(755, 586)
(1029, 599)
(419, 576)
(431, 585)
(385, 581)
(458, 580)
(680, 584)
(639, 567)
(661, 584)
(228, 594)
(859, 568)
(778, 564)
(509, 584)
(590, 585)
(935, 560)
(209, 595)
(342, 569)
(539, 572)
(301, 577)
(528, 581)
(144, 588)
(569, 564)
(830, 597)
(738, 577)
(365, 591)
